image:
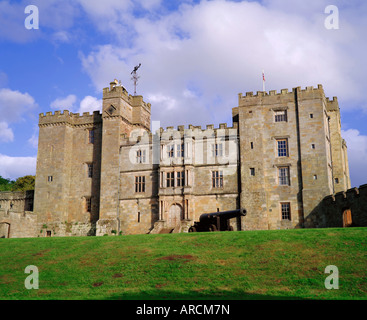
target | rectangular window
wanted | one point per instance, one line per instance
(180, 150)
(180, 178)
(88, 204)
(282, 146)
(280, 116)
(90, 170)
(313, 146)
(217, 179)
(217, 150)
(286, 210)
(140, 184)
(171, 151)
(91, 136)
(170, 178)
(50, 178)
(336, 180)
(252, 172)
(252, 145)
(283, 176)
(140, 156)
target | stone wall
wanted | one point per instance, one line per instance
(16, 217)
(329, 212)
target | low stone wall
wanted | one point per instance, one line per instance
(329, 213)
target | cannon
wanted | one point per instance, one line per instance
(217, 221)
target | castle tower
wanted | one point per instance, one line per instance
(285, 156)
(339, 148)
(121, 114)
(68, 169)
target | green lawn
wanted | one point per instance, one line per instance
(279, 264)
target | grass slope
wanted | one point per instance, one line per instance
(281, 264)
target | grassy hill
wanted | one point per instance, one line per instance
(287, 264)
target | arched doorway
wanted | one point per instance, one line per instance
(4, 230)
(174, 215)
(347, 218)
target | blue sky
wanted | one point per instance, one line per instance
(196, 57)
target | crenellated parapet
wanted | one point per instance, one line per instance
(284, 96)
(59, 118)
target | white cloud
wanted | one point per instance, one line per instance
(90, 104)
(15, 167)
(66, 103)
(14, 105)
(70, 103)
(219, 48)
(6, 133)
(357, 155)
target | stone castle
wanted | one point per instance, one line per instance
(110, 173)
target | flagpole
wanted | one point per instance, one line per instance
(263, 81)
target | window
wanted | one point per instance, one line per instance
(180, 179)
(140, 156)
(313, 146)
(88, 204)
(217, 179)
(140, 184)
(315, 177)
(91, 136)
(286, 210)
(139, 217)
(180, 150)
(171, 151)
(280, 116)
(217, 150)
(90, 170)
(50, 178)
(252, 172)
(336, 180)
(311, 115)
(283, 176)
(170, 179)
(252, 145)
(282, 145)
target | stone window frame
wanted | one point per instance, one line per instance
(282, 150)
(170, 179)
(285, 210)
(89, 169)
(181, 181)
(280, 115)
(217, 150)
(50, 178)
(141, 156)
(284, 180)
(252, 172)
(217, 179)
(88, 204)
(91, 136)
(139, 184)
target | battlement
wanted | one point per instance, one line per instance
(332, 105)
(250, 97)
(68, 118)
(172, 133)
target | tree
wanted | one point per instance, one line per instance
(6, 184)
(24, 183)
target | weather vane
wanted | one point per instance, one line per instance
(135, 77)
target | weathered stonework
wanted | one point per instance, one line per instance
(108, 173)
